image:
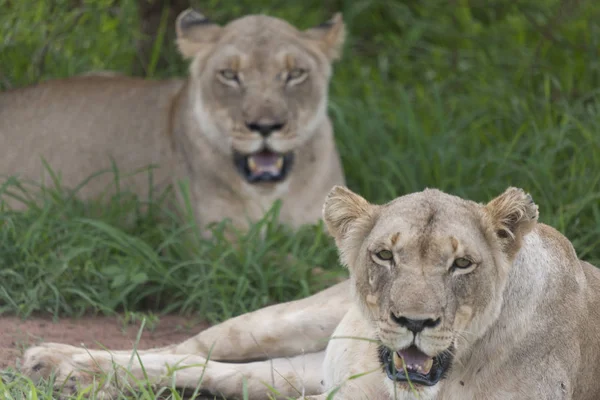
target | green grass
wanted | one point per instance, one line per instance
(66, 259)
(468, 97)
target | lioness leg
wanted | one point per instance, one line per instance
(281, 330)
(112, 373)
(288, 329)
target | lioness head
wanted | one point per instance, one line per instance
(429, 271)
(259, 86)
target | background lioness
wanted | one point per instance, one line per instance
(248, 127)
(456, 300)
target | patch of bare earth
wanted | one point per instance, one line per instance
(95, 332)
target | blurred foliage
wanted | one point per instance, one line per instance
(456, 42)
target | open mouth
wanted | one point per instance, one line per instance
(411, 364)
(263, 166)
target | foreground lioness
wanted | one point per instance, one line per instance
(468, 301)
(249, 126)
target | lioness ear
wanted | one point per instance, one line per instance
(513, 215)
(341, 210)
(330, 35)
(195, 32)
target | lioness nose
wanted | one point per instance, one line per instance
(415, 325)
(265, 128)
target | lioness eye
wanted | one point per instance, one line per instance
(295, 74)
(229, 74)
(462, 263)
(385, 255)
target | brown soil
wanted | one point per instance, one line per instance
(93, 331)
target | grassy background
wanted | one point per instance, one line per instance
(466, 96)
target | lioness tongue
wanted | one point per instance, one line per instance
(413, 359)
(265, 162)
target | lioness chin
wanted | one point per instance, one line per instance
(247, 127)
(448, 300)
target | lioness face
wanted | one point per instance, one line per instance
(259, 87)
(429, 271)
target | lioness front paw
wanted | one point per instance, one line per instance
(74, 371)
(39, 362)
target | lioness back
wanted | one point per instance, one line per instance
(78, 125)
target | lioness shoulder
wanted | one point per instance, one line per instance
(462, 301)
(247, 127)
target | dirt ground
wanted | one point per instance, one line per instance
(93, 331)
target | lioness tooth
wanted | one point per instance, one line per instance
(251, 164)
(427, 366)
(279, 163)
(398, 363)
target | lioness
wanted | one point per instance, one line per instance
(457, 300)
(247, 127)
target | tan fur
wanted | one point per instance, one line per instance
(189, 129)
(523, 319)
(291, 336)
